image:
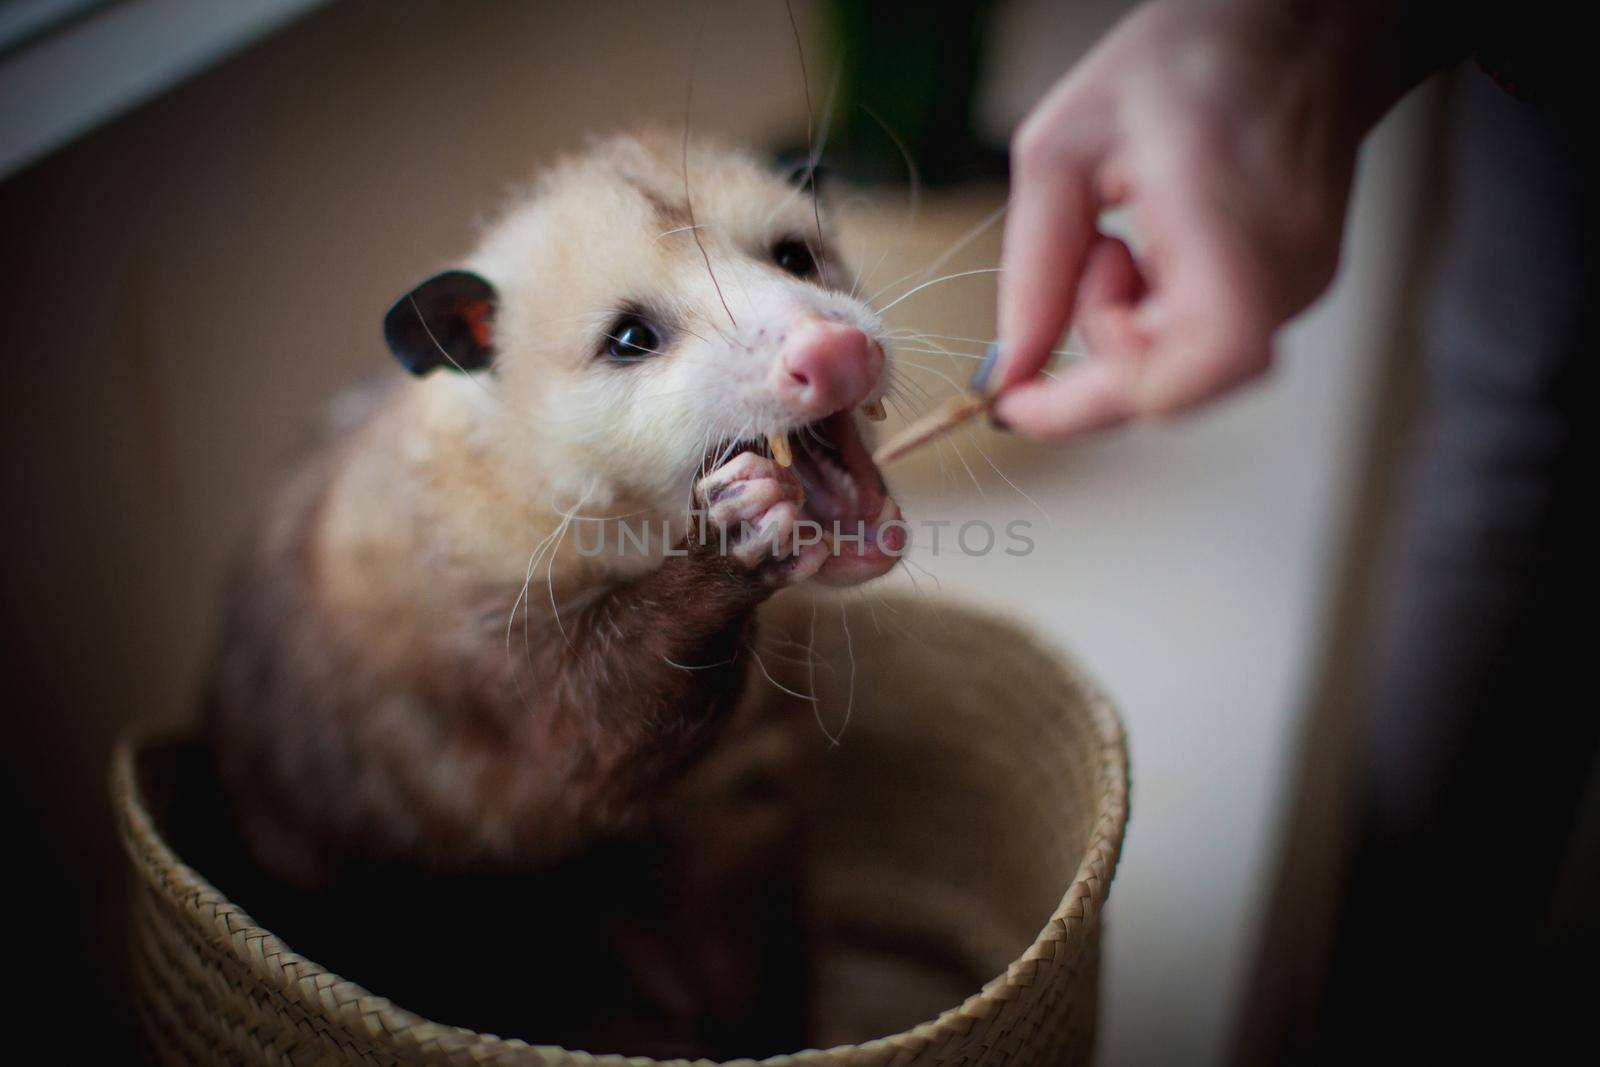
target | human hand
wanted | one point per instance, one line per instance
(1228, 131)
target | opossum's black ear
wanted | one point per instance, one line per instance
(447, 321)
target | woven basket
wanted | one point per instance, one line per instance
(976, 806)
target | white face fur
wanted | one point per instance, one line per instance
(600, 260)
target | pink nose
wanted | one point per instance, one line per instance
(825, 367)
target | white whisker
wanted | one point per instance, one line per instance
(937, 281)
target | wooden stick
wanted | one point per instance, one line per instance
(947, 416)
(932, 426)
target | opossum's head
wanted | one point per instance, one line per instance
(625, 330)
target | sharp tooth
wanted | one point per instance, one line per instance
(883, 512)
(873, 410)
(779, 443)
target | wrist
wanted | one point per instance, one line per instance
(1372, 52)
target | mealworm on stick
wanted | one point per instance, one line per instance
(943, 419)
(951, 414)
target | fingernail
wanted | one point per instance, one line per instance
(980, 377)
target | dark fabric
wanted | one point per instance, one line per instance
(1484, 727)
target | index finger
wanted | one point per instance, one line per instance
(1049, 227)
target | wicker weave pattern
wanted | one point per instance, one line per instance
(215, 988)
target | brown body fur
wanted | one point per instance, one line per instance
(357, 737)
(398, 691)
(361, 718)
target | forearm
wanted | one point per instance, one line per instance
(632, 681)
(667, 637)
(627, 684)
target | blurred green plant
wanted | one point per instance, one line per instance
(908, 71)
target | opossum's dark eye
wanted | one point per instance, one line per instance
(794, 257)
(631, 338)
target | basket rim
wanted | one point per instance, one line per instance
(408, 1034)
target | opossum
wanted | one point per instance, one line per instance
(658, 336)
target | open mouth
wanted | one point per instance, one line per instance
(845, 496)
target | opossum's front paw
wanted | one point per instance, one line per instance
(754, 513)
